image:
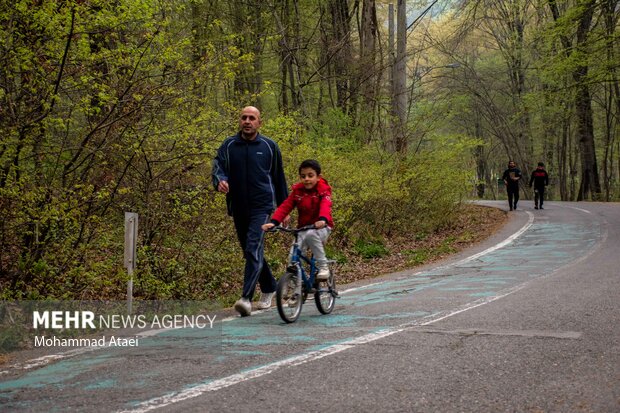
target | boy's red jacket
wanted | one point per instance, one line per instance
(312, 204)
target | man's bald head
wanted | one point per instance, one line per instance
(249, 122)
(253, 109)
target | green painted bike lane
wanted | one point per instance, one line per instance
(176, 365)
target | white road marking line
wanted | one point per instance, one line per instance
(172, 398)
(218, 384)
(502, 244)
(497, 246)
(578, 209)
(41, 361)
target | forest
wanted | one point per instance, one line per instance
(412, 107)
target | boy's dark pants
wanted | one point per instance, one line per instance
(252, 240)
(539, 196)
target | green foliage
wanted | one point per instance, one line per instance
(335, 254)
(418, 256)
(370, 248)
(109, 107)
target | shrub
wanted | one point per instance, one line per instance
(370, 249)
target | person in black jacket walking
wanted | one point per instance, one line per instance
(248, 169)
(511, 178)
(540, 179)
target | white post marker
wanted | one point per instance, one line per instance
(131, 235)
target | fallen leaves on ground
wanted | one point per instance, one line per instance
(475, 223)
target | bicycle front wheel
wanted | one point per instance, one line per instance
(325, 297)
(288, 298)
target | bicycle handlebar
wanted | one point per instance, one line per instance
(291, 230)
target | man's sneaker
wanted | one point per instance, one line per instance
(323, 273)
(265, 300)
(243, 307)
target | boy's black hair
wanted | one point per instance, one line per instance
(541, 164)
(311, 163)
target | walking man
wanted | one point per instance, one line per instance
(511, 178)
(540, 179)
(248, 169)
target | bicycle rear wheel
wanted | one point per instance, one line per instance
(325, 297)
(288, 299)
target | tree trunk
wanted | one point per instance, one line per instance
(590, 184)
(341, 50)
(367, 66)
(399, 96)
(612, 98)
(246, 21)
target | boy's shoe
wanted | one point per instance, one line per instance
(243, 307)
(323, 273)
(536, 207)
(265, 300)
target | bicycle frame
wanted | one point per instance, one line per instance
(297, 260)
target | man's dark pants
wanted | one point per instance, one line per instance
(513, 196)
(252, 240)
(539, 196)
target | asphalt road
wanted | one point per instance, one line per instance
(527, 321)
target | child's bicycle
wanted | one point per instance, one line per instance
(299, 280)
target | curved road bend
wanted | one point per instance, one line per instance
(526, 321)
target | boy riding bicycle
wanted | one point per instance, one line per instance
(312, 197)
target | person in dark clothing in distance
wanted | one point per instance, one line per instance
(511, 178)
(248, 169)
(540, 179)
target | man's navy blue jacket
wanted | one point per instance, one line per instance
(254, 173)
